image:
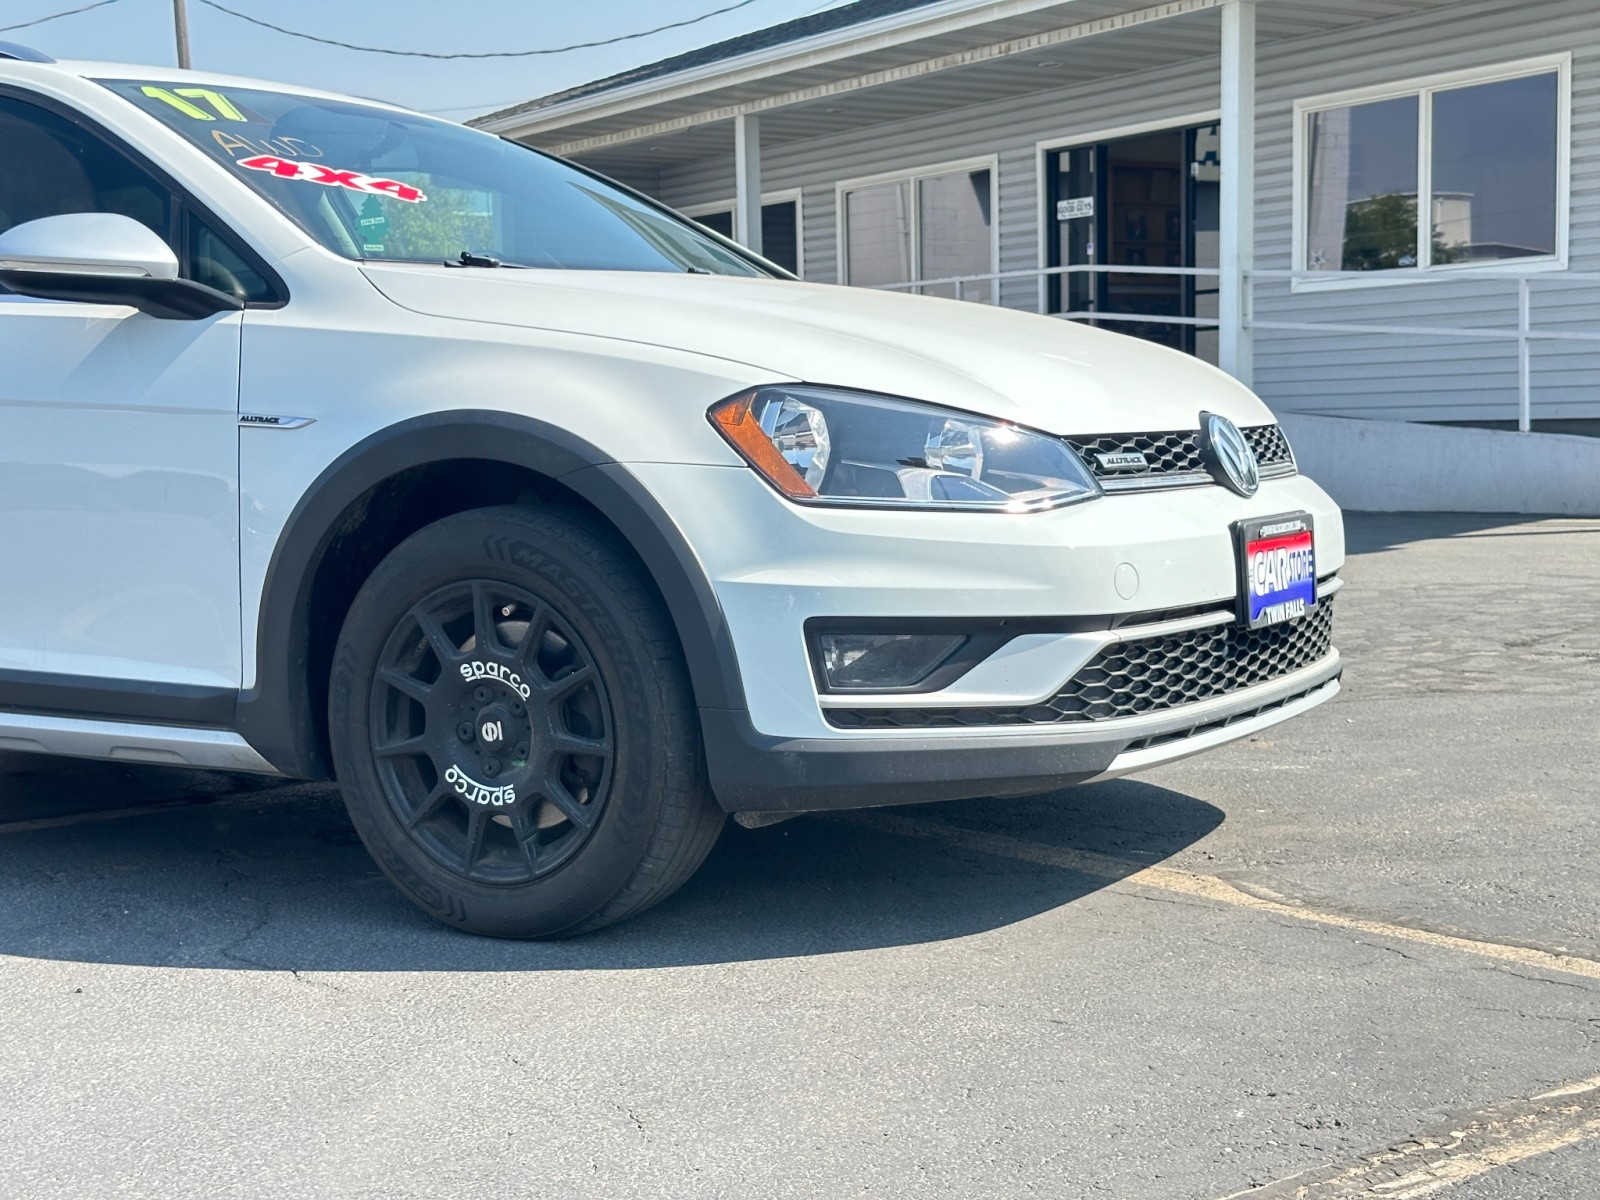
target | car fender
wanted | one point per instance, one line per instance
(278, 716)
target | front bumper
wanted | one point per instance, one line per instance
(753, 773)
(774, 566)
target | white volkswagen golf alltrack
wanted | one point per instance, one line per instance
(343, 442)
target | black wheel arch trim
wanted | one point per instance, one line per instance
(276, 716)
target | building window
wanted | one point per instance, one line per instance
(935, 225)
(780, 228)
(1438, 175)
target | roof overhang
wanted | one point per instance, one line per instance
(950, 18)
(929, 59)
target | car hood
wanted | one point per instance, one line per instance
(1043, 372)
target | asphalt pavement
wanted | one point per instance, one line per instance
(1357, 956)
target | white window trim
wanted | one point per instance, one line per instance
(790, 195)
(1422, 87)
(844, 187)
(1041, 181)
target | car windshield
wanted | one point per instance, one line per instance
(378, 185)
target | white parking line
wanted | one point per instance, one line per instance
(1208, 887)
(1436, 1178)
(1473, 1146)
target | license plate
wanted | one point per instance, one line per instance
(1277, 568)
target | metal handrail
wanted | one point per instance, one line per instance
(1524, 333)
(1040, 274)
(1045, 272)
(1485, 273)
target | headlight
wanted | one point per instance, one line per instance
(826, 446)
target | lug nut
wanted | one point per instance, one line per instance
(481, 695)
(491, 767)
(517, 709)
(520, 750)
(464, 731)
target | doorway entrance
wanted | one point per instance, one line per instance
(1152, 200)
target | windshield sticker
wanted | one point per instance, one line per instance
(233, 145)
(288, 168)
(177, 98)
(374, 226)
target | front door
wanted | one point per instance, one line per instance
(118, 448)
(1150, 201)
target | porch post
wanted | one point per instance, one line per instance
(747, 185)
(1237, 242)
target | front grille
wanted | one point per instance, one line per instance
(1166, 453)
(1272, 449)
(1144, 675)
(1177, 453)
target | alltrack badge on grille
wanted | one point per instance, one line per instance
(1122, 460)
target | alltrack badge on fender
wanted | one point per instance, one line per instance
(273, 421)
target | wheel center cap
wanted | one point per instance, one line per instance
(493, 728)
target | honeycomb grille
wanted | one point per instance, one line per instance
(1166, 453)
(1181, 735)
(1271, 447)
(1145, 675)
(1177, 453)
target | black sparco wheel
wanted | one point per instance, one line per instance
(513, 727)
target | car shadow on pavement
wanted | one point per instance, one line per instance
(271, 876)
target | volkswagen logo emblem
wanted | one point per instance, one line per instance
(1227, 455)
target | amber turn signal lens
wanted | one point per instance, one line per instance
(736, 420)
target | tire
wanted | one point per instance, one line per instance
(539, 780)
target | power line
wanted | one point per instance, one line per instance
(506, 104)
(311, 37)
(71, 12)
(479, 107)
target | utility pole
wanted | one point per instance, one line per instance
(180, 23)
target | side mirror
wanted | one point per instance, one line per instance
(103, 258)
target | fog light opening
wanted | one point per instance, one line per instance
(857, 662)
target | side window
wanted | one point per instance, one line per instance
(50, 166)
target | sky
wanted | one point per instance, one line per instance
(142, 31)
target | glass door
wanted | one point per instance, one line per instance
(1146, 201)
(1074, 217)
(1204, 247)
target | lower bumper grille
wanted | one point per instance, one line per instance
(1204, 727)
(1143, 675)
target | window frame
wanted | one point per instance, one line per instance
(795, 196)
(185, 205)
(1423, 87)
(914, 176)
